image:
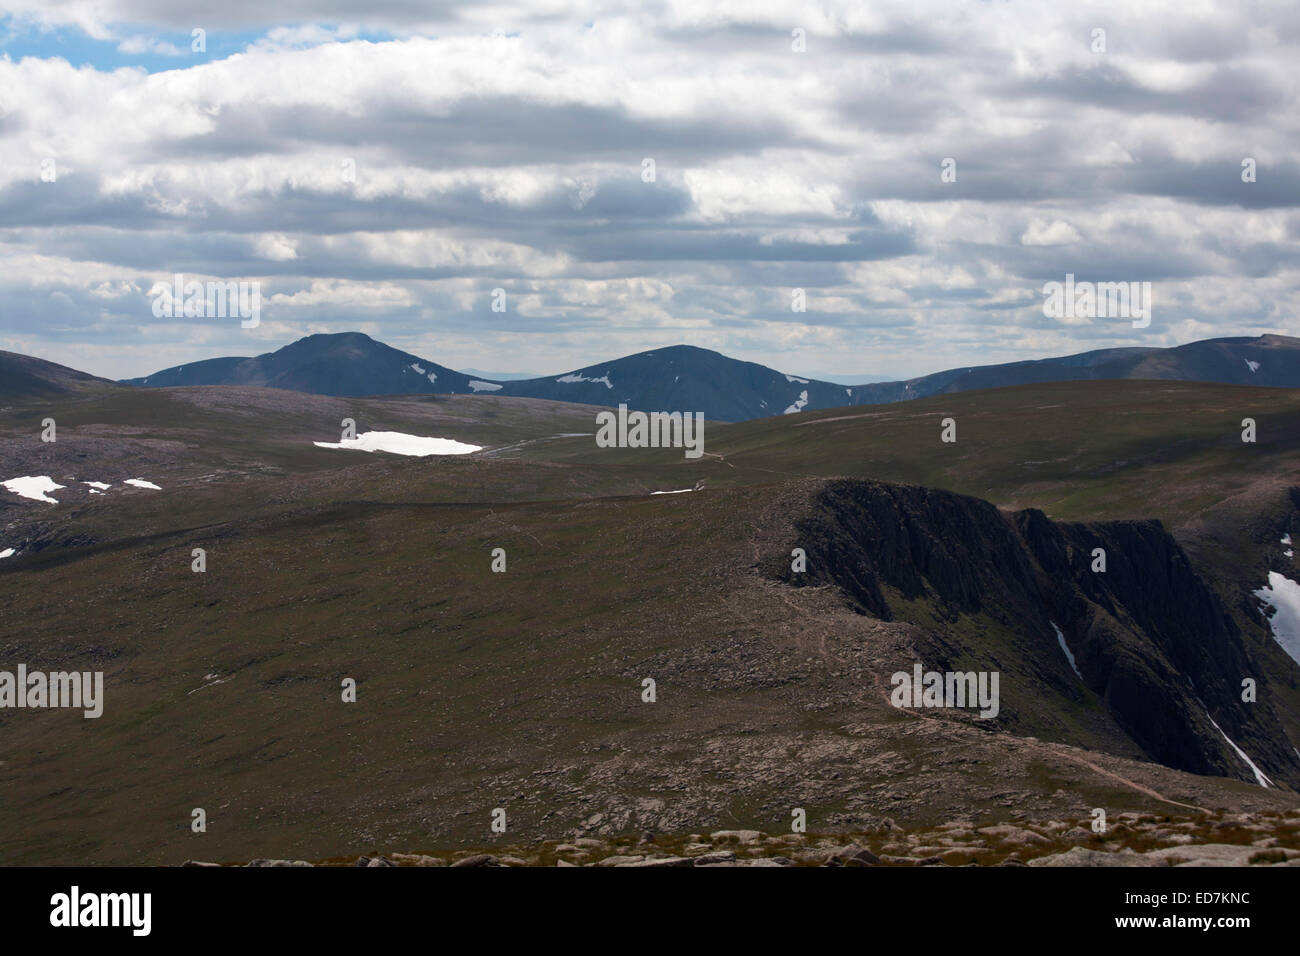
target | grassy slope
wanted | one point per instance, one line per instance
(1078, 450)
(522, 690)
(476, 690)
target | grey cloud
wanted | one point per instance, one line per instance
(1231, 94)
(482, 131)
(1213, 182)
(651, 245)
(897, 38)
(255, 14)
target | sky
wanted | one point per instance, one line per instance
(384, 167)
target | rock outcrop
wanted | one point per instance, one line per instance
(1158, 660)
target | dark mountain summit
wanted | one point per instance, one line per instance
(686, 378)
(1270, 360)
(347, 363)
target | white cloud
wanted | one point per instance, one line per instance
(277, 248)
(140, 43)
(1055, 233)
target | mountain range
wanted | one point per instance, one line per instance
(683, 377)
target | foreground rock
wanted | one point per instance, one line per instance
(1131, 839)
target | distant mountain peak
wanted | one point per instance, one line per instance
(25, 376)
(689, 378)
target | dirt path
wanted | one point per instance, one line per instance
(1060, 751)
(1147, 791)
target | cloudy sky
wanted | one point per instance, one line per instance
(502, 145)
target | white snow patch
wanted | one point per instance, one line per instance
(141, 483)
(1286, 538)
(416, 367)
(794, 378)
(34, 487)
(400, 444)
(848, 392)
(578, 377)
(1060, 639)
(677, 492)
(7, 553)
(798, 405)
(1254, 366)
(1283, 596)
(1262, 780)
(97, 484)
(484, 386)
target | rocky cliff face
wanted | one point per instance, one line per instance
(1159, 659)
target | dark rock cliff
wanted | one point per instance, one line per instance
(1155, 646)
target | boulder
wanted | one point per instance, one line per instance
(717, 856)
(1081, 856)
(662, 861)
(278, 863)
